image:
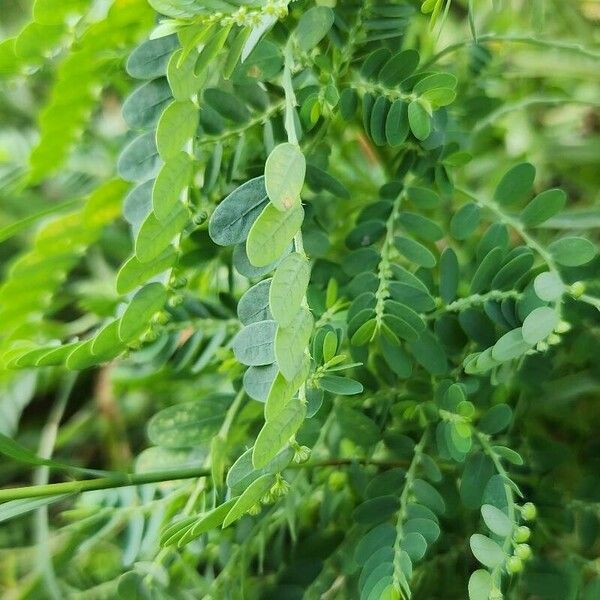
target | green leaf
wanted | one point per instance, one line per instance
(549, 286)
(174, 176)
(419, 120)
(138, 314)
(16, 508)
(313, 27)
(573, 251)
(243, 473)
(234, 216)
(539, 324)
(149, 60)
(154, 236)
(465, 221)
(251, 496)
(377, 120)
(276, 432)
(515, 185)
(285, 170)
(271, 234)
(254, 344)
(291, 343)
(107, 344)
(139, 160)
(477, 472)
(227, 105)
(396, 123)
(177, 125)
(480, 585)
(543, 207)
(510, 274)
(142, 109)
(426, 494)
(288, 288)
(487, 551)
(510, 345)
(254, 304)
(340, 386)
(449, 275)
(399, 67)
(496, 419)
(487, 269)
(188, 424)
(258, 381)
(415, 252)
(134, 273)
(496, 520)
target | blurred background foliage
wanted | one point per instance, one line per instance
(529, 89)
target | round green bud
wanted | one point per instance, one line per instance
(542, 346)
(178, 282)
(496, 594)
(302, 454)
(514, 565)
(562, 327)
(175, 300)
(200, 217)
(161, 318)
(577, 289)
(254, 510)
(553, 339)
(522, 534)
(523, 551)
(337, 480)
(529, 511)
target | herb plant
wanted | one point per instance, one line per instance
(299, 299)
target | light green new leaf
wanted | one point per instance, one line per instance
(539, 324)
(276, 433)
(573, 251)
(313, 27)
(176, 126)
(419, 120)
(288, 288)
(548, 286)
(155, 236)
(184, 83)
(282, 390)
(341, 386)
(285, 170)
(487, 551)
(144, 305)
(272, 233)
(174, 176)
(291, 343)
(510, 345)
(496, 520)
(133, 272)
(251, 496)
(480, 585)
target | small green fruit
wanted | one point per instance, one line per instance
(522, 534)
(514, 565)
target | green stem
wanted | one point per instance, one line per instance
(383, 269)
(406, 490)
(127, 479)
(101, 483)
(515, 224)
(473, 300)
(515, 39)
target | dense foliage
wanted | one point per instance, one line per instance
(299, 299)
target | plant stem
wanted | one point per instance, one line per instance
(126, 479)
